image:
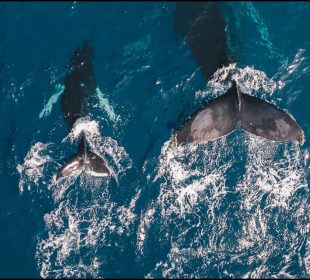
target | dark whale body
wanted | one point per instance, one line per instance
(203, 27)
(80, 85)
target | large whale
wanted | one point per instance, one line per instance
(203, 27)
(80, 85)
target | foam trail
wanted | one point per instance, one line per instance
(274, 195)
(238, 201)
(192, 188)
(59, 88)
(86, 225)
(274, 168)
(32, 170)
(85, 222)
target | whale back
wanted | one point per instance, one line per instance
(79, 84)
(203, 27)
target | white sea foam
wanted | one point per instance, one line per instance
(66, 237)
(115, 156)
(192, 175)
(210, 224)
(273, 168)
(32, 170)
(248, 79)
(80, 226)
(268, 220)
(85, 217)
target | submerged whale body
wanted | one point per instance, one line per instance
(203, 27)
(80, 85)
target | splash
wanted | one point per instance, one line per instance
(82, 230)
(229, 207)
(32, 170)
(40, 156)
(85, 219)
(89, 127)
(116, 156)
(192, 175)
(53, 99)
(248, 79)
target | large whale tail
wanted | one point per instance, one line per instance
(222, 116)
(204, 28)
(84, 160)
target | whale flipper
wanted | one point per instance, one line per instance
(89, 162)
(216, 119)
(266, 120)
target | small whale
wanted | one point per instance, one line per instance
(204, 29)
(79, 86)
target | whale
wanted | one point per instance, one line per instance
(79, 88)
(204, 29)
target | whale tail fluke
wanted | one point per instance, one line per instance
(264, 119)
(216, 119)
(95, 165)
(89, 162)
(221, 116)
(84, 161)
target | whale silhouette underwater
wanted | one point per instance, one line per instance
(203, 27)
(80, 86)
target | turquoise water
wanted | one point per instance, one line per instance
(234, 207)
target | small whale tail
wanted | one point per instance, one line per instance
(84, 160)
(221, 116)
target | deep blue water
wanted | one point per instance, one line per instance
(234, 207)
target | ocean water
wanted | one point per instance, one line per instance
(234, 207)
